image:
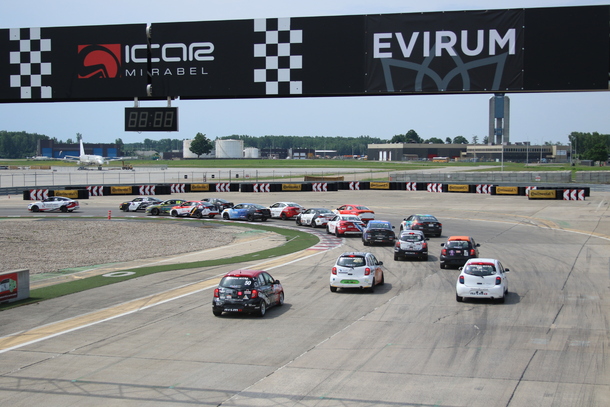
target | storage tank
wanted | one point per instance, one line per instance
(186, 149)
(229, 148)
(251, 152)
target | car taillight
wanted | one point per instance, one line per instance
(254, 294)
(498, 280)
(424, 245)
(461, 279)
(367, 271)
(216, 291)
(472, 252)
(397, 243)
(444, 252)
(334, 271)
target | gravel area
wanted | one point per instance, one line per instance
(44, 246)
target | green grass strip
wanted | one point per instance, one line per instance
(296, 240)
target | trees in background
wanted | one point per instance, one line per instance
(590, 146)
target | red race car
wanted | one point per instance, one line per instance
(361, 211)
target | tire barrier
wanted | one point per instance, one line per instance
(95, 190)
(263, 187)
(178, 188)
(411, 186)
(483, 188)
(354, 186)
(35, 194)
(573, 194)
(434, 187)
(319, 186)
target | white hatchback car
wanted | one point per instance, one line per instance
(482, 278)
(356, 270)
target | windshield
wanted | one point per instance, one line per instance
(236, 282)
(349, 261)
(480, 270)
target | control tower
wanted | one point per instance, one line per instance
(499, 118)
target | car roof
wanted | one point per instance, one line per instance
(412, 232)
(387, 222)
(459, 238)
(349, 254)
(244, 273)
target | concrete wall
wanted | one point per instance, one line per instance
(484, 177)
(593, 177)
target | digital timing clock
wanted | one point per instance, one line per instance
(151, 119)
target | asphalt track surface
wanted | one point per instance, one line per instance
(153, 340)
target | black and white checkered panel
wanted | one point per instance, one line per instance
(280, 71)
(26, 59)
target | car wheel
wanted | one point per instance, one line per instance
(173, 213)
(443, 265)
(364, 242)
(396, 257)
(35, 209)
(298, 221)
(225, 216)
(372, 287)
(313, 223)
(283, 216)
(250, 218)
(216, 313)
(263, 309)
(458, 298)
(212, 216)
(280, 302)
(333, 289)
(154, 211)
(264, 219)
(327, 230)
(501, 300)
(337, 233)
(64, 209)
(382, 282)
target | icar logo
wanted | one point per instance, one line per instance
(99, 61)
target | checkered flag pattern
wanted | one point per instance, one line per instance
(26, 59)
(282, 67)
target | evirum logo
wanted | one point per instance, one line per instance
(99, 61)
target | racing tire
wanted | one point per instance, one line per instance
(333, 289)
(396, 257)
(501, 300)
(64, 209)
(154, 211)
(173, 214)
(443, 266)
(35, 209)
(364, 242)
(283, 216)
(70, 210)
(263, 310)
(298, 221)
(327, 230)
(264, 219)
(280, 302)
(225, 216)
(371, 289)
(458, 298)
(199, 215)
(337, 233)
(250, 218)
(211, 216)
(216, 313)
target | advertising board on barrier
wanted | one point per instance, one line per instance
(507, 190)
(379, 185)
(542, 194)
(200, 187)
(458, 188)
(8, 286)
(291, 187)
(68, 193)
(115, 190)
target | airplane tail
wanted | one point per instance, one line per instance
(82, 149)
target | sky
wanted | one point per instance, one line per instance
(535, 117)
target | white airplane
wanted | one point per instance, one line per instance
(91, 159)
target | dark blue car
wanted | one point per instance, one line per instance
(378, 231)
(247, 211)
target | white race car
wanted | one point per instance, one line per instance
(54, 203)
(315, 217)
(482, 278)
(139, 204)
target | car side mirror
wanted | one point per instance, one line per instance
(276, 282)
(461, 268)
(393, 227)
(478, 245)
(442, 244)
(506, 270)
(380, 263)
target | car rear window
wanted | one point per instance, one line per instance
(349, 261)
(457, 244)
(480, 270)
(411, 238)
(379, 225)
(236, 282)
(428, 218)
